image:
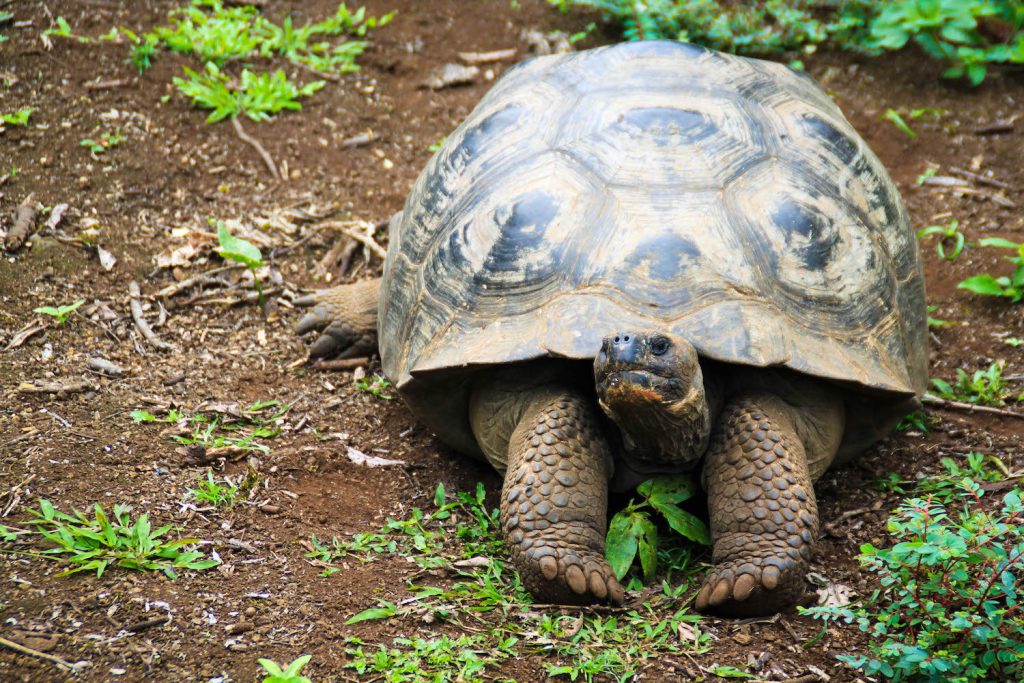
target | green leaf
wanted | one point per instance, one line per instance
(439, 495)
(622, 542)
(386, 611)
(669, 489)
(983, 284)
(648, 548)
(686, 524)
(238, 249)
(998, 242)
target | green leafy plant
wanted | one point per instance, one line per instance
(1011, 287)
(378, 386)
(949, 30)
(1014, 341)
(217, 431)
(916, 420)
(17, 118)
(105, 142)
(984, 387)
(60, 313)
(5, 16)
(968, 35)
(948, 606)
(290, 674)
(947, 486)
(937, 322)
(223, 493)
(257, 95)
(896, 119)
(948, 234)
(100, 541)
(632, 533)
(218, 35)
(63, 30)
(241, 251)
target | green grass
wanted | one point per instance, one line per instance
(983, 387)
(959, 33)
(482, 598)
(216, 430)
(218, 36)
(100, 541)
(216, 492)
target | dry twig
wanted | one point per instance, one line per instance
(135, 304)
(201, 278)
(946, 403)
(63, 663)
(255, 144)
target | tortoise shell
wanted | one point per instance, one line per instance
(652, 185)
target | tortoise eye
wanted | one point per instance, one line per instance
(659, 345)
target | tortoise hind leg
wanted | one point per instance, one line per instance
(345, 316)
(554, 500)
(764, 517)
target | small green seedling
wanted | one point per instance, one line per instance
(929, 172)
(938, 322)
(1014, 341)
(61, 313)
(894, 116)
(221, 493)
(1011, 287)
(632, 533)
(102, 541)
(916, 420)
(948, 235)
(241, 251)
(105, 142)
(17, 118)
(984, 387)
(287, 675)
(378, 386)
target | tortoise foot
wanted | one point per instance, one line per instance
(566, 575)
(346, 318)
(762, 576)
(554, 501)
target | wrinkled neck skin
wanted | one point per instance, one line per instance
(665, 430)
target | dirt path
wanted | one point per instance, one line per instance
(147, 201)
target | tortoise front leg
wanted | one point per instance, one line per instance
(345, 316)
(764, 518)
(555, 498)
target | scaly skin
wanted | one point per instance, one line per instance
(346, 317)
(554, 501)
(764, 518)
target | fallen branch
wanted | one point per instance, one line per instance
(63, 663)
(945, 403)
(135, 303)
(255, 144)
(106, 85)
(340, 364)
(24, 222)
(40, 386)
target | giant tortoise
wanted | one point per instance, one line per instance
(642, 259)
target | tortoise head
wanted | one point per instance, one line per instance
(650, 384)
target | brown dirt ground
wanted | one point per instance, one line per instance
(174, 171)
